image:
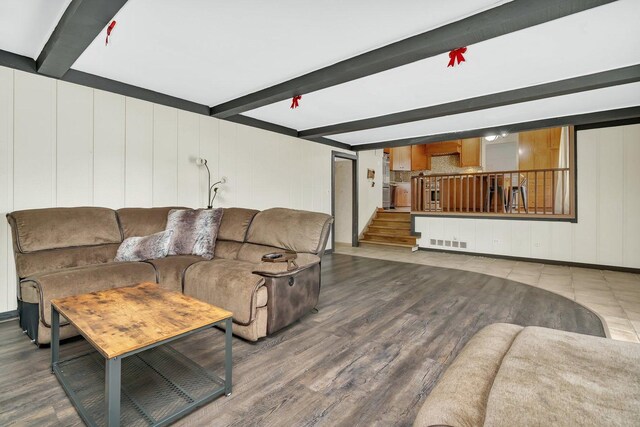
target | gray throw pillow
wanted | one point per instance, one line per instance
(143, 248)
(194, 231)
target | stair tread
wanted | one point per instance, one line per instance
(374, 233)
(374, 242)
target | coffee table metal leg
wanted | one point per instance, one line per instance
(227, 357)
(112, 391)
(55, 336)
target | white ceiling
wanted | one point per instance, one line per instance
(561, 106)
(25, 25)
(560, 49)
(211, 51)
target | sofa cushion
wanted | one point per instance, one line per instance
(552, 377)
(56, 259)
(460, 396)
(80, 280)
(171, 270)
(194, 231)
(228, 284)
(144, 248)
(52, 228)
(143, 221)
(227, 249)
(235, 223)
(296, 230)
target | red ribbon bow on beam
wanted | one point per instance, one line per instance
(456, 54)
(109, 29)
(294, 101)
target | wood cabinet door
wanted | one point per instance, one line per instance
(470, 152)
(403, 195)
(401, 158)
(418, 157)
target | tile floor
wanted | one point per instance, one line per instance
(615, 296)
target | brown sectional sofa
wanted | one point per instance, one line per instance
(66, 251)
(509, 375)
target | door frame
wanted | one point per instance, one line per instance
(354, 202)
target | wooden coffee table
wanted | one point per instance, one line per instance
(134, 378)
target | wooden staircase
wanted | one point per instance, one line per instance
(390, 228)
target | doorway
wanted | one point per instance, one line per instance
(344, 198)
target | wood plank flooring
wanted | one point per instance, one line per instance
(384, 333)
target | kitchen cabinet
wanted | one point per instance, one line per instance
(403, 194)
(443, 148)
(419, 157)
(401, 158)
(470, 152)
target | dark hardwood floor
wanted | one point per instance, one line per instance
(384, 333)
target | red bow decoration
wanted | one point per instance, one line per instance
(109, 29)
(456, 54)
(294, 101)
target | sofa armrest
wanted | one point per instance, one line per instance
(460, 396)
(278, 269)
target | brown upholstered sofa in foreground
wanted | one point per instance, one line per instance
(67, 251)
(507, 375)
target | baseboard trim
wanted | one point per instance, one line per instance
(8, 315)
(540, 260)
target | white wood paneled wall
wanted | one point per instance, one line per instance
(67, 145)
(608, 227)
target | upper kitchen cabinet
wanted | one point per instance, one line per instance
(400, 158)
(470, 152)
(419, 159)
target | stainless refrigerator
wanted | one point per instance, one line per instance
(386, 191)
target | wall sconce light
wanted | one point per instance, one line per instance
(211, 187)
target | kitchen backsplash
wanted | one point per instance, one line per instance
(439, 165)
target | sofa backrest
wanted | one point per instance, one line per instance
(54, 238)
(136, 222)
(296, 230)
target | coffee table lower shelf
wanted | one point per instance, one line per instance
(158, 386)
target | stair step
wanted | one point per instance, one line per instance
(399, 245)
(391, 216)
(389, 231)
(390, 239)
(391, 224)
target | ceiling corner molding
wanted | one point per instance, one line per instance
(108, 85)
(272, 127)
(80, 24)
(622, 115)
(17, 62)
(504, 19)
(604, 79)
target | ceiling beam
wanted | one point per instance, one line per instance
(575, 120)
(80, 24)
(507, 18)
(588, 82)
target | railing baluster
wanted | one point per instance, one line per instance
(563, 172)
(535, 201)
(553, 192)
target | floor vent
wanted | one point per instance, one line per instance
(448, 243)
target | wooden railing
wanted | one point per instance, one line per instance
(512, 193)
